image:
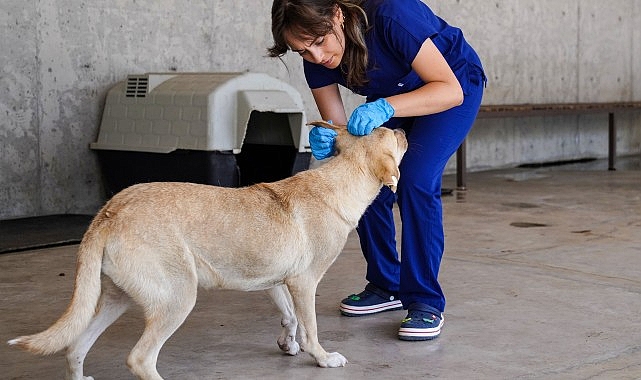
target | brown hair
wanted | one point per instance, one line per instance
(313, 18)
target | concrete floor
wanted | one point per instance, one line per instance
(542, 272)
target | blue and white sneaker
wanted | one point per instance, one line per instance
(372, 300)
(423, 322)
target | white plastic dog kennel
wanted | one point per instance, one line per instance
(226, 129)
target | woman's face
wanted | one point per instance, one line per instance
(326, 50)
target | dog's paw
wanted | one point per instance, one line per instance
(333, 360)
(289, 346)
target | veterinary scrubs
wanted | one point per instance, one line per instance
(398, 30)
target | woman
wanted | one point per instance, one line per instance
(417, 73)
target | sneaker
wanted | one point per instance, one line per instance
(372, 300)
(423, 322)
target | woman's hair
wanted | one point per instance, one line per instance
(314, 18)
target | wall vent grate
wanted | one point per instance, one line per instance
(137, 86)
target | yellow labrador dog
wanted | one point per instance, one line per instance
(153, 244)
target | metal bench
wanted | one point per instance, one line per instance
(551, 109)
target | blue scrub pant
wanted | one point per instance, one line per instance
(432, 141)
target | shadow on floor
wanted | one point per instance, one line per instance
(42, 232)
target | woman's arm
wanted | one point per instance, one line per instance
(330, 104)
(441, 92)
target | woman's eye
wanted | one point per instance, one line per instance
(319, 41)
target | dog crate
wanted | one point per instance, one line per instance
(225, 129)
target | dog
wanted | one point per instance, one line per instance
(154, 244)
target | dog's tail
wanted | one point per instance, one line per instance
(83, 302)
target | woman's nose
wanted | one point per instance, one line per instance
(316, 55)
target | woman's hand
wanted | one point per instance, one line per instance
(368, 116)
(321, 140)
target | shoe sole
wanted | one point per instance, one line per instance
(416, 334)
(359, 311)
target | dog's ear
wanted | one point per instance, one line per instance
(387, 171)
(322, 123)
(343, 138)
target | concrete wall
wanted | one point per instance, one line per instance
(59, 58)
(551, 51)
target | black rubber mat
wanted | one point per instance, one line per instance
(42, 231)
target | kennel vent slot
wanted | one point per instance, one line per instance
(137, 86)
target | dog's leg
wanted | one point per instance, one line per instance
(113, 303)
(303, 292)
(287, 339)
(166, 308)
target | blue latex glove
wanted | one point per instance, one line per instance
(368, 116)
(321, 141)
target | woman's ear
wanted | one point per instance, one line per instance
(339, 18)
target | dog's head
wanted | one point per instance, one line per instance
(381, 151)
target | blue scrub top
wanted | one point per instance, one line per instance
(397, 31)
